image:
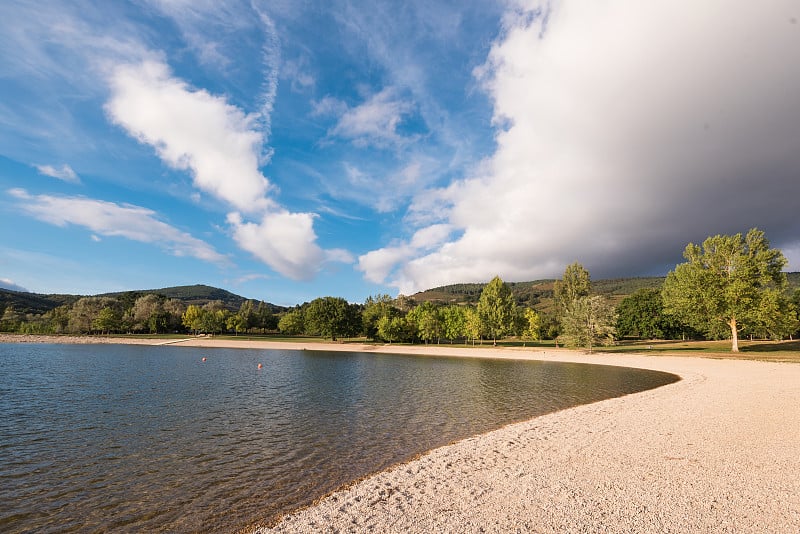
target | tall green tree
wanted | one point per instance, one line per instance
(237, 323)
(454, 322)
(588, 321)
(532, 325)
(10, 319)
(329, 317)
(265, 319)
(472, 324)
(394, 328)
(107, 321)
(574, 284)
(85, 311)
(375, 308)
(427, 321)
(143, 309)
(174, 309)
(192, 318)
(725, 283)
(292, 323)
(642, 315)
(496, 308)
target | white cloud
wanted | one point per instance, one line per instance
(296, 71)
(285, 241)
(625, 130)
(375, 121)
(191, 130)
(377, 265)
(115, 220)
(6, 283)
(328, 106)
(64, 173)
(219, 144)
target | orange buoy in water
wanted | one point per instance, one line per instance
(204, 359)
(260, 366)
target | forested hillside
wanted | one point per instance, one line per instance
(33, 302)
(199, 295)
(538, 294)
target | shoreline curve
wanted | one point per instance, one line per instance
(715, 451)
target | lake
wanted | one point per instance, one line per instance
(140, 438)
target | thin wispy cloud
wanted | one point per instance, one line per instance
(115, 220)
(375, 121)
(63, 172)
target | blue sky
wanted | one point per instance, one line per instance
(286, 150)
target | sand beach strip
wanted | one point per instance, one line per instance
(717, 451)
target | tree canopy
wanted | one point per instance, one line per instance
(726, 283)
(496, 308)
(332, 317)
(642, 315)
(574, 284)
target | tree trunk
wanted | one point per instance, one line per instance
(734, 335)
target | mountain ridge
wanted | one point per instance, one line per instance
(197, 294)
(536, 293)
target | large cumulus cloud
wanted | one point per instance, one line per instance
(625, 129)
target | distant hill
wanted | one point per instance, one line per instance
(538, 294)
(196, 294)
(33, 302)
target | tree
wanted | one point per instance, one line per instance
(174, 309)
(776, 317)
(192, 318)
(472, 324)
(427, 321)
(265, 319)
(496, 308)
(533, 325)
(329, 317)
(85, 311)
(795, 300)
(574, 284)
(725, 282)
(58, 319)
(247, 316)
(143, 309)
(393, 328)
(236, 323)
(454, 322)
(375, 308)
(292, 323)
(588, 322)
(106, 321)
(10, 320)
(642, 315)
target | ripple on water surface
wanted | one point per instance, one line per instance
(137, 438)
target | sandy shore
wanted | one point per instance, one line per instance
(718, 451)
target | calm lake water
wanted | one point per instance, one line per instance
(133, 438)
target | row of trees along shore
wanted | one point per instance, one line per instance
(729, 287)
